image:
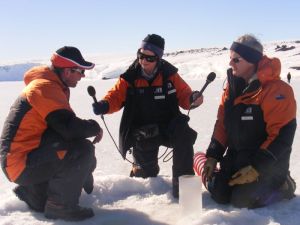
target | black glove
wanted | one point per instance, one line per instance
(100, 107)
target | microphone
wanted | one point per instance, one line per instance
(210, 78)
(92, 92)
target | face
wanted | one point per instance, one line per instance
(71, 76)
(240, 67)
(146, 58)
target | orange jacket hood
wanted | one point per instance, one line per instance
(268, 69)
(41, 72)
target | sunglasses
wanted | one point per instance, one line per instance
(78, 70)
(237, 59)
(148, 58)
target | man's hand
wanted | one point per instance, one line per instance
(245, 175)
(209, 167)
(196, 99)
(98, 137)
(100, 107)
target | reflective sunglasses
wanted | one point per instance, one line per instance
(148, 58)
(77, 70)
(236, 59)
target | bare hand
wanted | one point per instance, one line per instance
(198, 101)
(209, 167)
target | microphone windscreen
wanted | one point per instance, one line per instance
(91, 90)
(211, 76)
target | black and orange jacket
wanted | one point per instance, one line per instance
(256, 122)
(147, 102)
(117, 95)
(43, 104)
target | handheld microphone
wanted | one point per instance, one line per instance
(92, 92)
(210, 78)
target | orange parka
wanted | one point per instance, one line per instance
(42, 105)
(256, 122)
(116, 97)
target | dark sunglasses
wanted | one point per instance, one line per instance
(148, 58)
(236, 60)
(78, 70)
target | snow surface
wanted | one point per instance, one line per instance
(119, 199)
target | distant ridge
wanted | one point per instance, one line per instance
(192, 63)
(15, 72)
(194, 51)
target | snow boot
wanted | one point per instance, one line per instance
(34, 200)
(288, 188)
(137, 171)
(68, 213)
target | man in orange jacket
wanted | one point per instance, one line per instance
(151, 92)
(44, 146)
(253, 133)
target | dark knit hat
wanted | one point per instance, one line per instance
(154, 43)
(249, 54)
(249, 48)
(68, 56)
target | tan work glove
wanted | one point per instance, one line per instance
(245, 175)
(209, 167)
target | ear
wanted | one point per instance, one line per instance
(65, 74)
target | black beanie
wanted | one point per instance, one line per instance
(248, 53)
(154, 43)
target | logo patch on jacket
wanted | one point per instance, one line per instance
(171, 88)
(248, 115)
(158, 90)
(280, 97)
(248, 110)
(158, 93)
(170, 85)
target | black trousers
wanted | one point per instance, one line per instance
(59, 180)
(260, 193)
(177, 135)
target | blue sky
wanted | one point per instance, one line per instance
(35, 28)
